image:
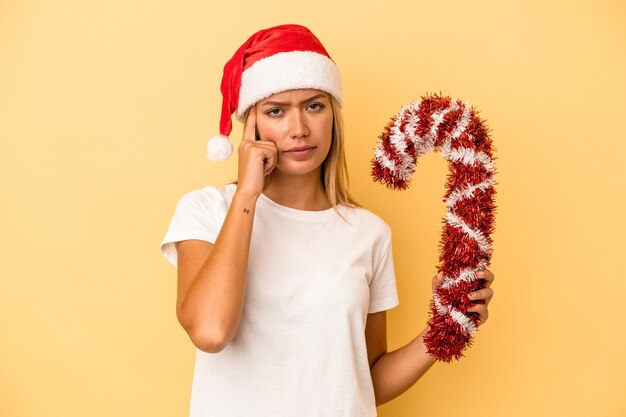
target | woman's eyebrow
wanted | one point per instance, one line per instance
(281, 103)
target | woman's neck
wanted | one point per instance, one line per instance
(302, 192)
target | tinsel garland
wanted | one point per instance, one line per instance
(452, 128)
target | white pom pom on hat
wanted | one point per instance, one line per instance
(219, 148)
(273, 60)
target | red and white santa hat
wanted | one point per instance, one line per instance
(272, 60)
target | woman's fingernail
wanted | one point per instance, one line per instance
(471, 295)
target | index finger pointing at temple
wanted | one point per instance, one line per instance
(249, 128)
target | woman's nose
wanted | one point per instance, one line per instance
(297, 125)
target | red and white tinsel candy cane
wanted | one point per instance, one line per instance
(454, 129)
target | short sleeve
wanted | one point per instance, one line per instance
(383, 290)
(199, 215)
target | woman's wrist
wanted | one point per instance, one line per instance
(246, 197)
(423, 346)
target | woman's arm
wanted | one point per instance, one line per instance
(212, 278)
(395, 372)
(210, 297)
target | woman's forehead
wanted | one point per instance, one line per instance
(296, 95)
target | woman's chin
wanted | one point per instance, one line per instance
(298, 168)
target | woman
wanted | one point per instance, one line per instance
(283, 281)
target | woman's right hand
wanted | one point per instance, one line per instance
(257, 158)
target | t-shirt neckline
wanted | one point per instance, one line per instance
(297, 213)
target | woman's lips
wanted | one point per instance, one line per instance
(300, 154)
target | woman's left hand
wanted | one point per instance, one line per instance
(485, 294)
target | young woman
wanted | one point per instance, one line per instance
(283, 281)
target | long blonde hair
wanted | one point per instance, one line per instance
(334, 168)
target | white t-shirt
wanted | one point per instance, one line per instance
(312, 279)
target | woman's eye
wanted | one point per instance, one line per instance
(316, 106)
(274, 112)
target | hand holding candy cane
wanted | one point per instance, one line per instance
(481, 298)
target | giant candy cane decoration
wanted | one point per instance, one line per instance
(453, 128)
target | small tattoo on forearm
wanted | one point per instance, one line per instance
(245, 210)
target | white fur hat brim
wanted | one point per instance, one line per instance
(288, 71)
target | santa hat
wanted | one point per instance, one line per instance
(272, 60)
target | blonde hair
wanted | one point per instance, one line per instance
(334, 168)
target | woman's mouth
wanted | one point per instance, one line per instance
(300, 152)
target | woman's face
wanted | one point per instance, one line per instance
(300, 123)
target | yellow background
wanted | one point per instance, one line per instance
(105, 109)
